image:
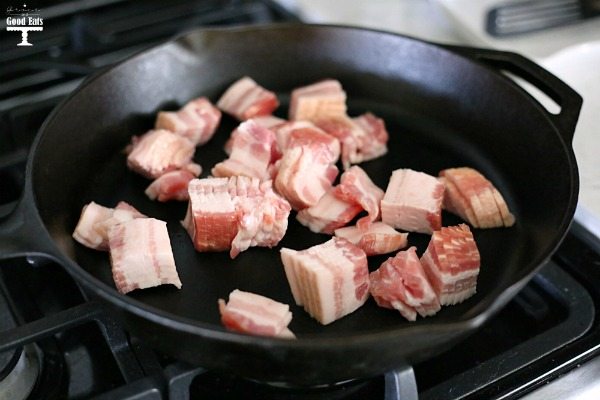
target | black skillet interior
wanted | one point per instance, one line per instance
(441, 110)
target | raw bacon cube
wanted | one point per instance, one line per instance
(158, 152)
(320, 100)
(266, 121)
(330, 280)
(413, 202)
(197, 121)
(305, 173)
(86, 232)
(254, 314)
(235, 213)
(96, 220)
(299, 133)
(328, 214)
(252, 148)
(451, 262)
(378, 238)
(170, 186)
(356, 186)
(363, 138)
(141, 255)
(245, 99)
(474, 198)
(400, 283)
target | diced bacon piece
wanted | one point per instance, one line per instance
(235, 213)
(320, 100)
(413, 202)
(451, 262)
(330, 280)
(328, 214)
(193, 168)
(123, 205)
(86, 232)
(401, 283)
(96, 220)
(363, 138)
(123, 212)
(379, 238)
(251, 152)
(141, 255)
(158, 152)
(255, 314)
(170, 186)
(305, 174)
(299, 133)
(372, 142)
(356, 186)
(246, 99)
(474, 198)
(266, 121)
(197, 121)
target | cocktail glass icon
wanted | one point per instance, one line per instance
(24, 32)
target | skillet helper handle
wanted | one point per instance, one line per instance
(567, 98)
(22, 233)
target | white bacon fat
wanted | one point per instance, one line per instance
(319, 100)
(158, 152)
(96, 220)
(254, 314)
(378, 238)
(141, 255)
(246, 99)
(413, 202)
(197, 121)
(330, 280)
(475, 199)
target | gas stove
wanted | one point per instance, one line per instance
(56, 343)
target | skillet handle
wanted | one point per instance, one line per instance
(22, 233)
(567, 98)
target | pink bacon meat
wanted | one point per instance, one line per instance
(474, 198)
(413, 202)
(401, 283)
(170, 186)
(299, 133)
(363, 138)
(96, 220)
(245, 99)
(320, 100)
(252, 148)
(452, 262)
(328, 214)
(356, 186)
(158, 152)
(305, 173)
(197, 121)
(330, 280)
(235, 213)
(266, 121)
(251, 313)
(378, 238)
(141, 255)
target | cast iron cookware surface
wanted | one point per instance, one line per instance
(442, 110)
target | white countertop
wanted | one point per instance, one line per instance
(461, 22)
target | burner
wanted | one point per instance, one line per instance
(22, 377)
(19, 367)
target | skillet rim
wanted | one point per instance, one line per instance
(469, 320)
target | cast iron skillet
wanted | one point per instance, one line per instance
(443, 107)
